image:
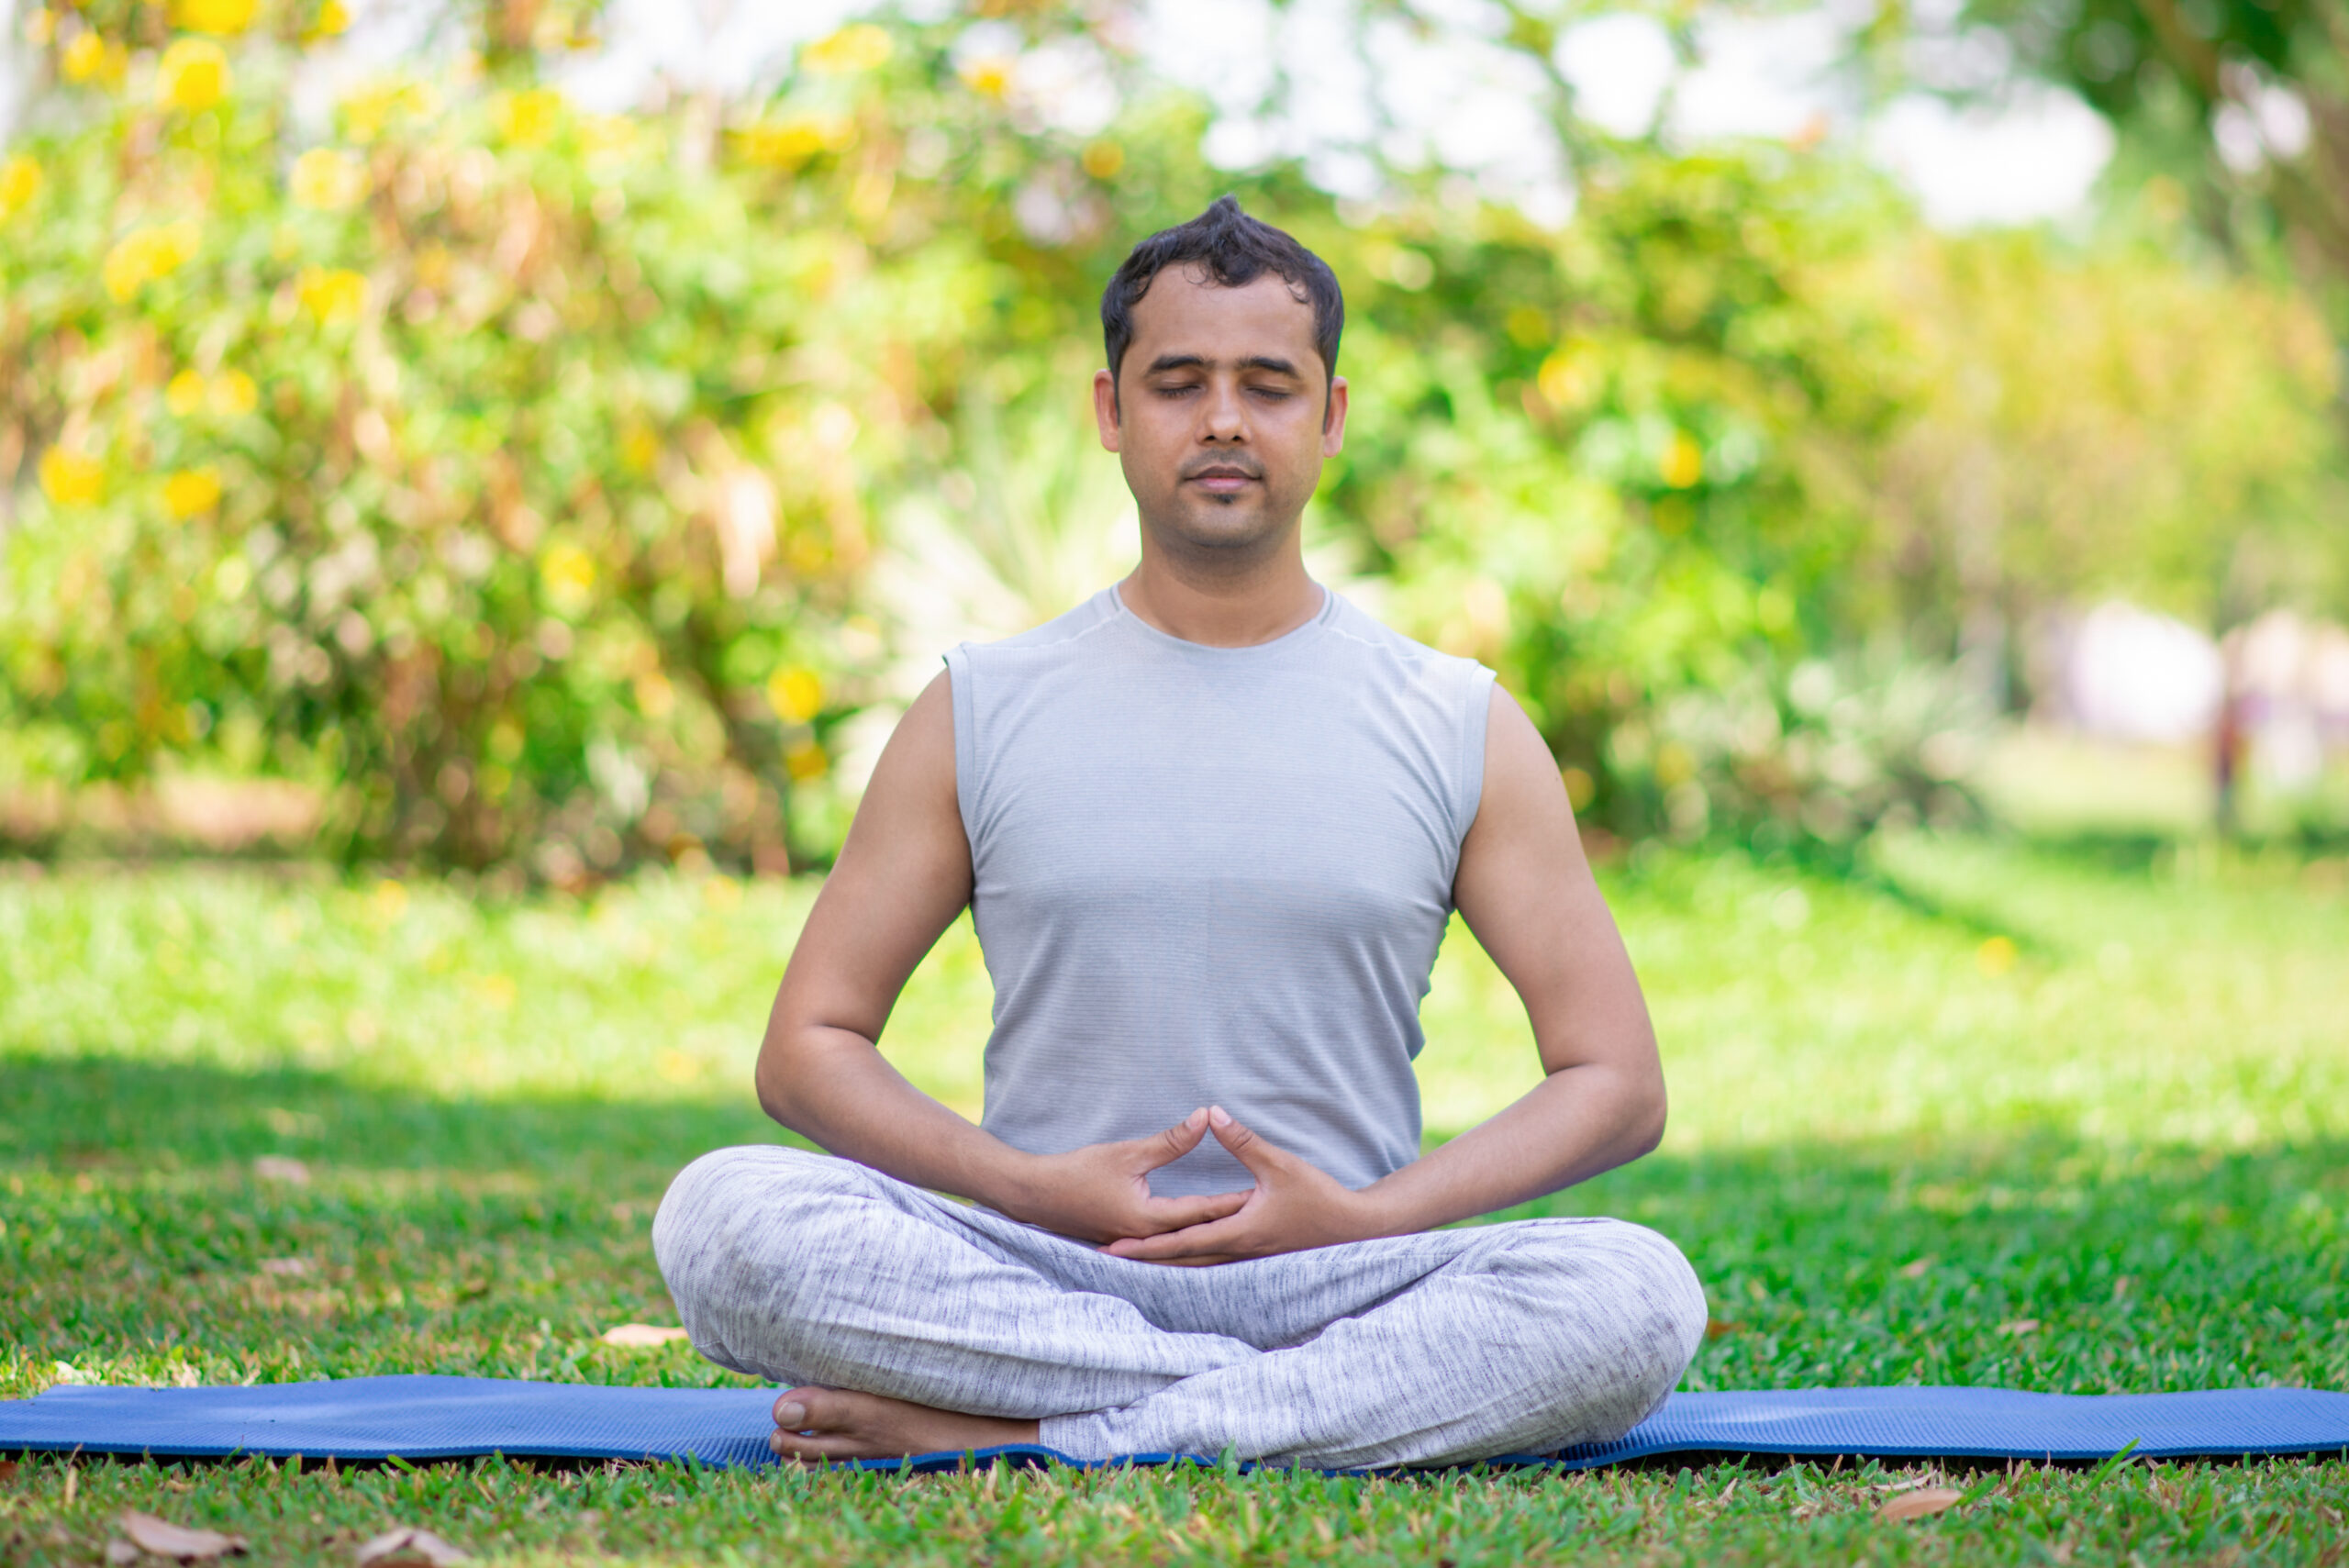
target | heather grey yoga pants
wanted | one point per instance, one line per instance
(1451, 1345)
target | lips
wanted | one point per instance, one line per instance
(1222, 480)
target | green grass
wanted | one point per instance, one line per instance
(2072, 1119)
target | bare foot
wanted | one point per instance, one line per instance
(813, 1425)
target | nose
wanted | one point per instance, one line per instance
(1225, 416)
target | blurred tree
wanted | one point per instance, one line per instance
(563, 488)
(2246, 102)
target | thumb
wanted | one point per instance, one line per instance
(1260, 1158)
(1165, 1148)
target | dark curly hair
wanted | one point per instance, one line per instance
(1234, 251)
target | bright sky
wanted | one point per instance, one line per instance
(1460, 102)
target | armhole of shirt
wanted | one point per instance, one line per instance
(1474, 723)
(966, 745)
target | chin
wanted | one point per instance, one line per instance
(1223, 528)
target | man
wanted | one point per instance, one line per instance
(1210, 826)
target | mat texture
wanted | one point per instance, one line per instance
(448, 1418)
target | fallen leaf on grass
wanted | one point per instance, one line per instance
(121, 1551)
(639, 1335)
(1716, 1327)
(408, 1547)
(278, 1168)
(7, 1469)
(1918, 1503)
(164, 1539)
(286, 1265)
(1916, 1270)
(2019, 1327)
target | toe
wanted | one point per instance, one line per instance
(795, 1408)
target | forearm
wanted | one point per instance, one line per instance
(834, 1087)
(1575, 1124)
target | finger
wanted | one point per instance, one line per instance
(1165, 1148)
(1219, 1240)
(1181, 1213)
(1262, 1159)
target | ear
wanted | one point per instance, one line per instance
(1105, 408)
(1333, 419)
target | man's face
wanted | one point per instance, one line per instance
(1219, 415)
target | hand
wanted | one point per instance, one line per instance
(1101, 1192)
(1292, 1207)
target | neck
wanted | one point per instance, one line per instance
(1270, 597)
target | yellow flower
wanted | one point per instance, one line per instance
(233, 394)
(796, 694)
(528, 119)
(860, 46)
(364, 112)
(84, 58)
(334, 20)
(226, 18)
(192, 76)
(1102, 160)
(327, 179)
(989, 75)
(569, 574)
(787, 144)
(145, 254)
(331, 293)
(70, 479)
(1684, 462)
(638, 448)
(19, 183)
(1994, 956)
(192, 491)
(1569, 379)
(185, 395)
(806, 762)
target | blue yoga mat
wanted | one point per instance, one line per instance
(452, 1417)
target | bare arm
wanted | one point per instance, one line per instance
(1527, 892)
(902, 876)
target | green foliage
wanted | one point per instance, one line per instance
(532, 482)
(1874, 1169)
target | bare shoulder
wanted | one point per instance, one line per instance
(1524, 799)
(902, 876)
(906, 855)
(916, 771)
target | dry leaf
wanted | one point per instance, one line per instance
(278, 1168)
(2020, 1326)
(1918, 1503)
(121, 1551)
(408, 1547)
(164, 1539)
(1716, 1327)
(7, 1469)
(286, 1265)
(1916, 1270)
(637, 1335)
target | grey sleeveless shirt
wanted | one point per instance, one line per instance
(1213, 876)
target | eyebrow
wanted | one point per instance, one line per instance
(1271, 362)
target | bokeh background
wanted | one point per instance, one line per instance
(536, 440)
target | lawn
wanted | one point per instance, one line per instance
(2068, 1116)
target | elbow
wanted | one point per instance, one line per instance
(772, 1080)
(1647, 1117)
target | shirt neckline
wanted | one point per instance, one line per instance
(1304, 631)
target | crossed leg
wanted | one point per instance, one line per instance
(908, 1323)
